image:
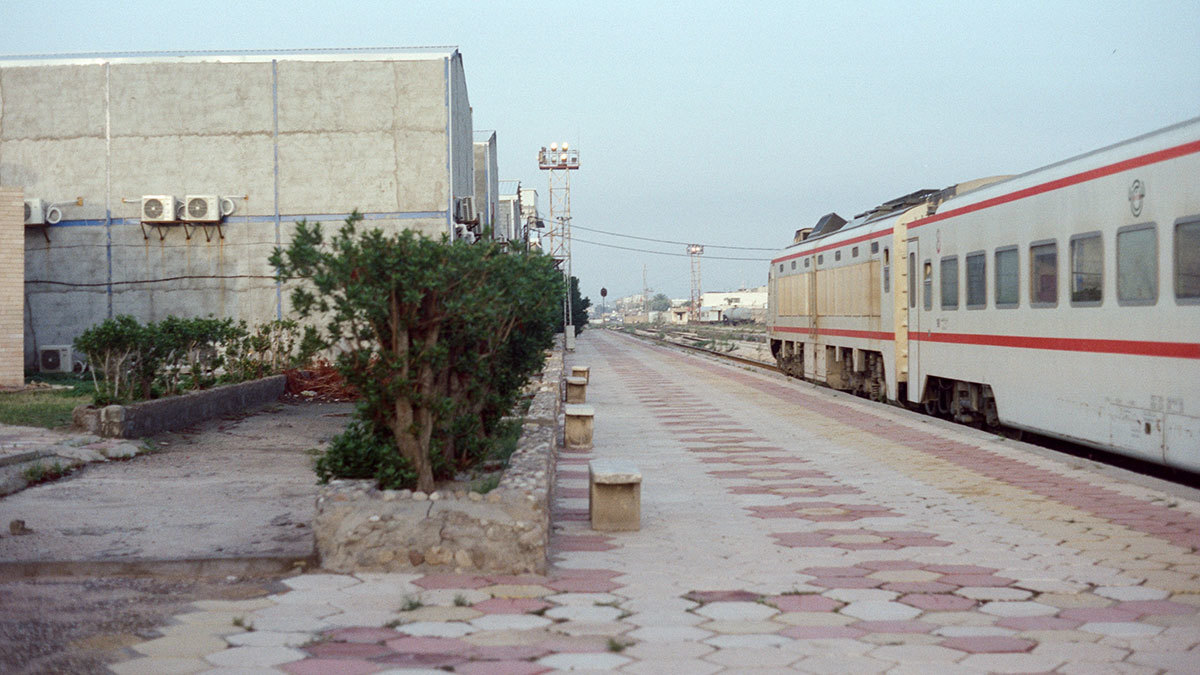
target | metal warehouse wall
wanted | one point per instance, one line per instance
(286, 136)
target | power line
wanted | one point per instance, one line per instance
(678, 255)
(668, 241)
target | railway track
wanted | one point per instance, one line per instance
(1179, 476)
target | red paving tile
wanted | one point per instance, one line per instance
(848, 571)
(507, 652)
(347, 650)
(583, 585)
(428, 645)
(921, 587)
(1147, 607)
(846, 582)
(1100, 614)
(331, 667)
(988, 644)
(984, 580)
(571, 492)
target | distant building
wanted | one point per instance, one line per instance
(487, 180)
(508, 219)
(715, 304)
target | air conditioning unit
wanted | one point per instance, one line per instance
(158, 209)
(465, 210)
(55, 359)
(202, 208)
(35, 212)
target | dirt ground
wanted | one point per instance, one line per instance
(237, 490)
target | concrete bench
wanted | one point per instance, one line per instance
(581, 371)
(576, 390)
(578, 432)
(614, 495)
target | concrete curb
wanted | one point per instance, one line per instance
(147, 418)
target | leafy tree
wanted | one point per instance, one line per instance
(438, 337)
(660, 303)
(579, 306)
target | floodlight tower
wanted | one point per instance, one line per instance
(560, 162)
(694, 252)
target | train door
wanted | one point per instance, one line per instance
(916, 380)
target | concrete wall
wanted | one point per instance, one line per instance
(12, 281)
(286, 136)
(487, 181)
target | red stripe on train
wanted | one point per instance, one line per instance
(1177, 350)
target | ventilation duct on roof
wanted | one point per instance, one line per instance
(830, 222)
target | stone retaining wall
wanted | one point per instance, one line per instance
(506, 531)
(175, 412)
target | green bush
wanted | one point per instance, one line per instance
(363, 451)
(131, 361)
(438, 337)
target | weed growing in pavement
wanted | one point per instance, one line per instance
(41, 473)
(393, 623)
(486, 485)
(241, 622)
(539, 612)
(411, 603)
(460, 600)
(615, 645)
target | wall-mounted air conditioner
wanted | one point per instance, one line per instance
(55, 359)
(202, 208)
(38, 212)
(158, 209)
(464, 210)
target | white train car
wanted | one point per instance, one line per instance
(1064, 301)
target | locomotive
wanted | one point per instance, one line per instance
(1063, 301)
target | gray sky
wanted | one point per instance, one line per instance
(726, 123)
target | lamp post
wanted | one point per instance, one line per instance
(560, 162)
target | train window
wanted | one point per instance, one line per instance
(837, 255)
(780, 267)
(1008, 277)
(912, 280)
(976, 280)
(950, 282)
(807, 262)
(1043, 274)
(1137, 265)
(821, 259)
(854, 252)
(1187, 261)
(927, 284)
(1087, 270)
(793, 264)
(874, 247)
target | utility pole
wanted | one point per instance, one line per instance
(645, 295)
(559, 162)
(694, 252)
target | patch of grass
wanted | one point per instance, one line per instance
(47, 408)
(411, 603)
(460, 600)
(486, 485)
(42, 473)
(241, 622)
(615, 645)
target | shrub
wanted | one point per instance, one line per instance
(438, 337)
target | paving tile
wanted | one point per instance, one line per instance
(672, 667)
(603, 599)
(668, 634)
(1010, 663)
(895, 626)
(988, 644)
(360, 634)
(153, 665)
(1073, 600)
(813, 619)
(916, 654)
(664, 618)
(584, 613)
(255, 657)
(847, 595)
(517, 591)
(1028, 623)
(438, 629)
(876, 610)
(181, 646)
(584, 661)
(752, 657)
(510, 606)
(457, 581)
(1125, 629)
(333, 666)
(938, 602)
(428, 645)
(842, 664)
(821, 632)
(737, 611)
(1131, 593)
(321, 582)
(974, 631)
(501, 668)
(1158, 607)
(450, 597)
(668, 650)
(993, 593)
(346, 650)
(503, 638)
(263, 638)
(748, 640)
(436, 613)
(1018, 608)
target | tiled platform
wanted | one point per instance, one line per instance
(783, 528)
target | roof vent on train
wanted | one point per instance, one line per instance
(830, 222)
(898, 204)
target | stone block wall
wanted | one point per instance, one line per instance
(506, 531)
(12, 287)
